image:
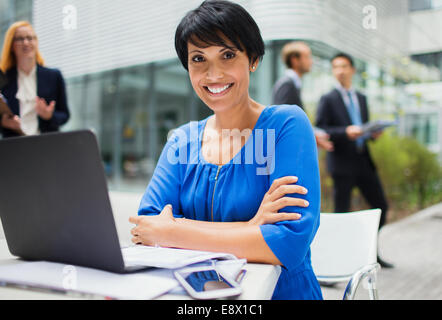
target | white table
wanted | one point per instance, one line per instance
(258, 283)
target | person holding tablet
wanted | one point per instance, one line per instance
(244, 180)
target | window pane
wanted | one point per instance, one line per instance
(416, 5)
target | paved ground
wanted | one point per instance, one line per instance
(414, 245)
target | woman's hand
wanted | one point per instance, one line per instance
(153, 230)
(275, 200)
(11, 122)
(44, 110)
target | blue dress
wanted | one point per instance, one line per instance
(281, 144)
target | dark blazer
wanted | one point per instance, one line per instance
(285, 92)
(333, 117)
(50, 86)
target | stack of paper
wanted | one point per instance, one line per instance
(67, 278)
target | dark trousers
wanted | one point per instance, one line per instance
(370, 187)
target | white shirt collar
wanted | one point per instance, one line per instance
(26, 93)
(23, 74)
(27, 85)
(295, 77)
(343, 90)
(345, 95)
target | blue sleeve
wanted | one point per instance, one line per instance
(295, 155)
(164, 187)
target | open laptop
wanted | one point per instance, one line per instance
(54, 206)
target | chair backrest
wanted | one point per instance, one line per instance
(2, 234)
(345, 242)
(124, 205)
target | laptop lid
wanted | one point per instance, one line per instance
(54, 202)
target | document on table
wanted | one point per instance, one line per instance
(170, 258)
(67, 278)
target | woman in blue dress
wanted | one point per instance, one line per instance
(246, 179)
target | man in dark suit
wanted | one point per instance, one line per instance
(297, 56)
(341, 113)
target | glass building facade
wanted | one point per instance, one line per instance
(125, 83)
(132, 109)
(11, 11)
(418, 5)
(431, 59)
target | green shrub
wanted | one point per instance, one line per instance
(410, 174)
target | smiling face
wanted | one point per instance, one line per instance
(220, 75)
(25, 43)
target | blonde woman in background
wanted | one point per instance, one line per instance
(35, 94)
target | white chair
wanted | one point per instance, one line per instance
(124, 205)
(2, 234)
(345, 249)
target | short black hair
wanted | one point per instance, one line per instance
(214, 19)
(345, 56)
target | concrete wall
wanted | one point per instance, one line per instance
(425, 31)
(84, 36)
